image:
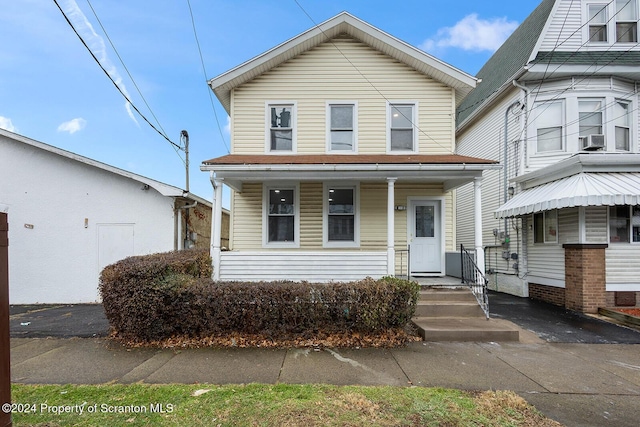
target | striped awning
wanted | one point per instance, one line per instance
(582, 189)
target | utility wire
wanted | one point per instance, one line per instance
(110, 78)
(410, 119)
(204, 71)
(164, 133)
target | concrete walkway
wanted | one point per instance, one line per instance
(576, 384)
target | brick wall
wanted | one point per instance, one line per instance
(550, 294)
(585, 277)
(614, 299)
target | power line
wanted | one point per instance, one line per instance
(204, 70)
(164, 133)
(110, 78)
(410, 119)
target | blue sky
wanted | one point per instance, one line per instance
(52, 90)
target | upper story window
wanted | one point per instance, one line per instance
(401, 127)
(545, 227)
(342, 127)
(597, 22)
(281, 122)
(590, 119)
(626, 21)
(622, 121)
(549, 121)
(624, 224)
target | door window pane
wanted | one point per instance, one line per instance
(425, 223)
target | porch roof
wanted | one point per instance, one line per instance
(582, 189)
(451, 170)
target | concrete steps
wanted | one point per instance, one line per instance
(444, 314)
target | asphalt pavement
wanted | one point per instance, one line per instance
(580, 371)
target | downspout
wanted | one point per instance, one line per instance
(505, 160)
(523, 254)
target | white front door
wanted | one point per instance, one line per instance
(425, 237)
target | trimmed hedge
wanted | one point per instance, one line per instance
(159, 296)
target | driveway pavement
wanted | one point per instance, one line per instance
(571, 375)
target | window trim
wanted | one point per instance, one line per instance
(587, 22)
(616, 22)
(414, 120)
(266, 189)
(563, 128)
(629, 125)
(356, 213)
(267, 125)
(354, 147)
(544, 228)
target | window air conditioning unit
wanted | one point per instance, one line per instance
(592, 142)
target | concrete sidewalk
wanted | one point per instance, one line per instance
(576, 384)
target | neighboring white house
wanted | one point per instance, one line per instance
(558, 106)
(70, 216)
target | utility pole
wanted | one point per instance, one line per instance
(184, 139)
(184, 136)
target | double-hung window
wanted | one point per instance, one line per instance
(597, 22)
(341, 215)
(281, 131)
(549, 118)
(401, 127)
(342, 127)
(626, 21)
(590, 117)
(545, 227)
(622, 121)
(624, 224)
(281, 219)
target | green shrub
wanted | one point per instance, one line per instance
(164, 295)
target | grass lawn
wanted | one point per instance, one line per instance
(266, 405)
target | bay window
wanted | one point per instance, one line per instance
(549, 117)
(624, 224)
(622, 121)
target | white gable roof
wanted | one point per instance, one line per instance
(162, 188)
(343, 23)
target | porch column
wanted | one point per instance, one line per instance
(391, 251)
(477, 197)
(216, 225)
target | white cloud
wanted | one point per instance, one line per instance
(472, 34)
(6, 124)
(73, 126)
(227, 127)
(97, 46)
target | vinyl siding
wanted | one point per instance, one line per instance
(324, 74)
(564, 31)
(248, 216)
(622, 263)
(596, 224)
(485, 139)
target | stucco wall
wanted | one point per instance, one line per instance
(59, 210)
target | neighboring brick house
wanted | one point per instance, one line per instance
(342, 157)
(558, 106)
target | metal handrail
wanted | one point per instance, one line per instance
(474, 279)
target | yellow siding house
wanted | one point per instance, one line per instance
(342, 159)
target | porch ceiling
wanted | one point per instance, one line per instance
(450, 170)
